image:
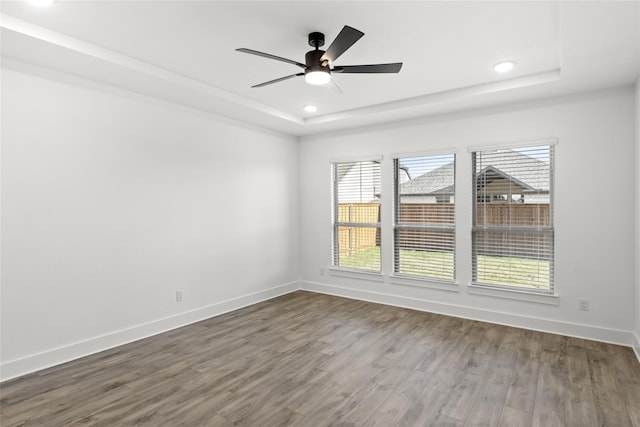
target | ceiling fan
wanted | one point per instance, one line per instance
(319, 65)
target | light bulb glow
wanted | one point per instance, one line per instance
(310, 108)
(504, 66)
(317, 77)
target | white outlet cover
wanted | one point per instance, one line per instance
(583, 304)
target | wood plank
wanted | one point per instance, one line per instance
(503, 367)
(361, 405)
(549, 410)
(522, 391)
(625, 365)
(514, 418)
(579, 405)
(424, 409)
(610, 405)
(389, 413)
(488, 405)
(463, 393)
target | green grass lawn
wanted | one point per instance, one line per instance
(526, 273)
(520, 272)
(367, 259)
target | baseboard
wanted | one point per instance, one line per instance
(35, 362)
(636, 344)
(595, 333)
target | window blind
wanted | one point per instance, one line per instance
(424, 216)
(356, 215)
(512, 235)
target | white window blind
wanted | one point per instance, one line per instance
(424, 217)
(513, 218)
(356, 215)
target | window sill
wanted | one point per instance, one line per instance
(424, 283)
(356, 274)
(514, 294)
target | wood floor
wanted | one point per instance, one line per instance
(307, 359)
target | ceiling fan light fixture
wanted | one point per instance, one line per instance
(317, 77)
(504, 66)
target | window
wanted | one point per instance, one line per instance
(356, 215)
(513, 218)
(424, 225)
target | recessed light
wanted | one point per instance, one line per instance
(504, 66)
(310, 108)
(41, 3)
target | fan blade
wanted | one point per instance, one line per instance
(372, 68)
(346, 38)
(268, 55)
(278, 80)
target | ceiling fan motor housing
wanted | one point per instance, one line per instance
(314, 63)
(316, 39)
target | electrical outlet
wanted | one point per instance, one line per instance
(583, 304)
(179, 296)
(322, 271)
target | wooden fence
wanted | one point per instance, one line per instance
(355, 239)
(516, 214)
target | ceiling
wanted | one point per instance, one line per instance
(184, 52)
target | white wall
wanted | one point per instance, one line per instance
(594, 241)
(637, 260)
(111, 202)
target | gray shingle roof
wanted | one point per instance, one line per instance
(437, 181)
(527, 172)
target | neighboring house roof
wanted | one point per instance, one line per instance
(436, 182)
(344, 168)
(528, 173)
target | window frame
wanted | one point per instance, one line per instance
(337, 224)
(537, 230)
(398, 226)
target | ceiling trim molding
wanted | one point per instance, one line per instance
(440, 97)
(62, 40)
